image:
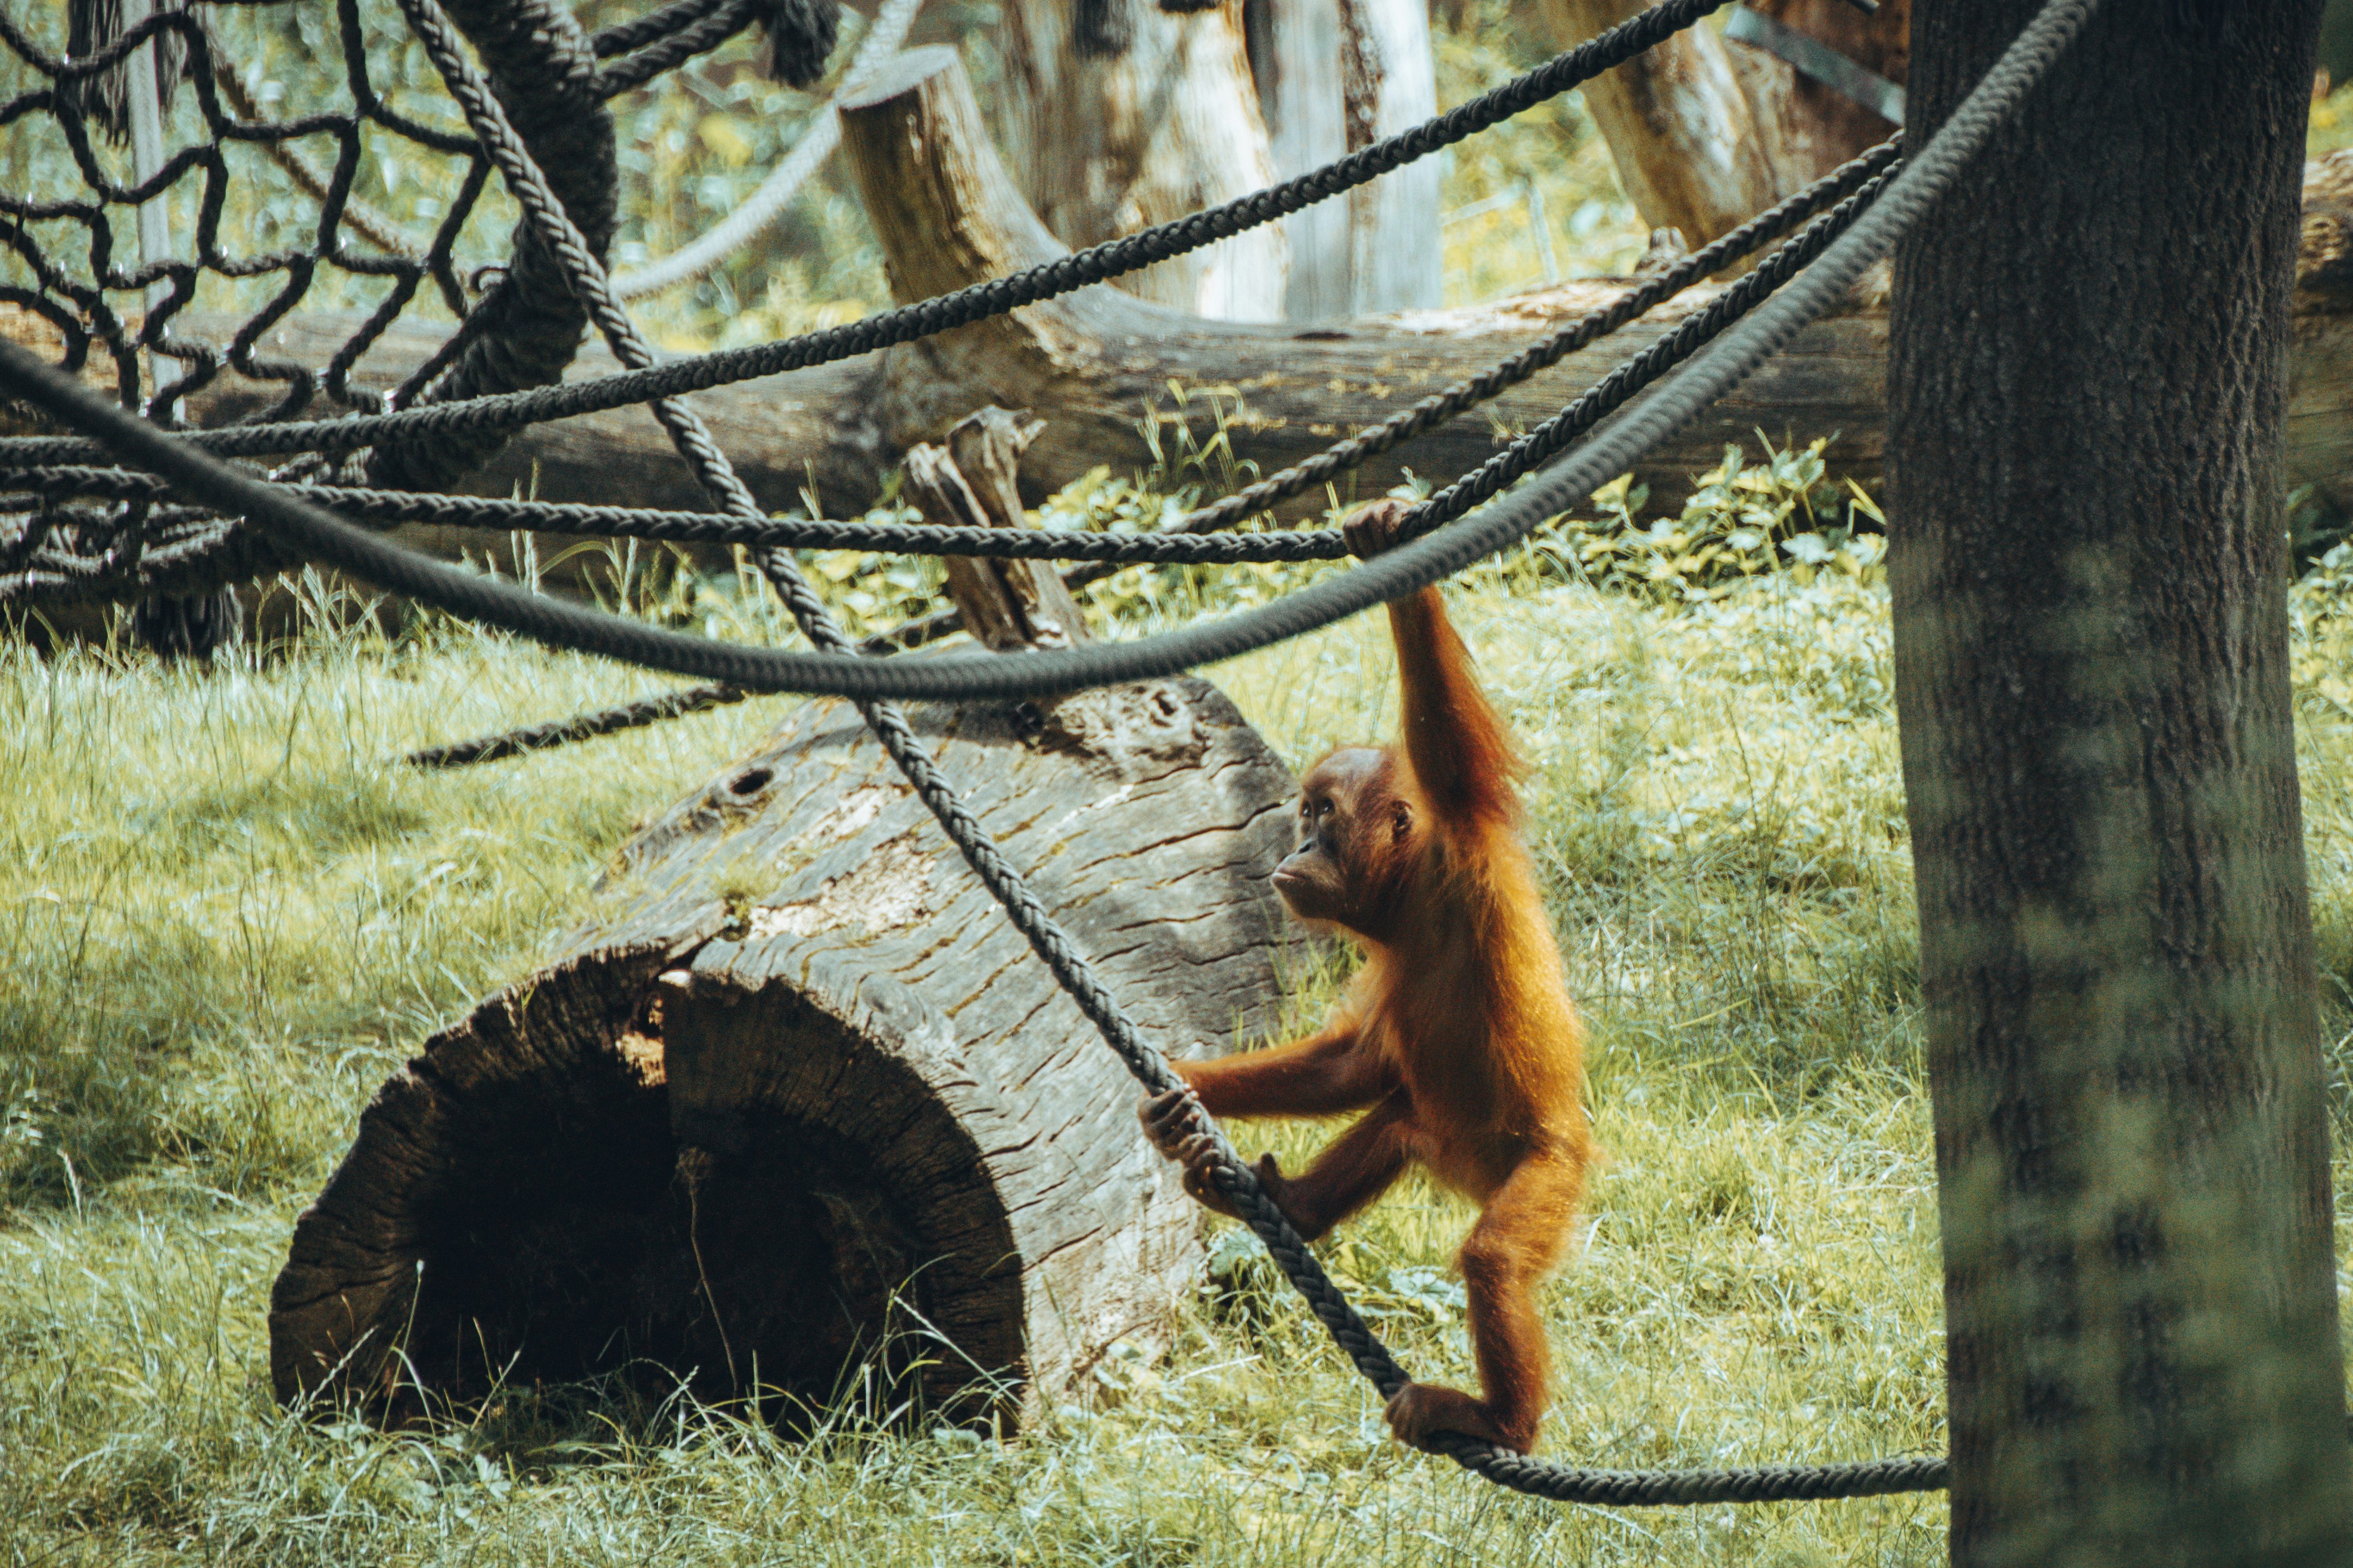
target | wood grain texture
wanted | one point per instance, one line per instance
(1679, 128)
(798, 1096)
(1120, 115)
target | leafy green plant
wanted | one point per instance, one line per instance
(1743, 520)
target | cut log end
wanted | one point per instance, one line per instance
(520, 1209)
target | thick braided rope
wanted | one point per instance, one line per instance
(318, 534)
(1410, 567)
(1044, 934)
(774, 194)
(573, 518)
(886, 720)
(705, 32)
(977, 303)
(198, 560)
(525, 332)
(1177, 545)
(1546, 351)
(627, 37)
(1580, 415)
(627, 716)
(1696, 332)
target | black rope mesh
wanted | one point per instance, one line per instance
(1452, 534)
(53, 567)
(70, 247)
(978, 302)
(82, 291)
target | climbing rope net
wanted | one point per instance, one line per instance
(130, 507)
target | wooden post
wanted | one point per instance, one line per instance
(1294, 45)
(1678, 126)
(1388, 83)
(1806, 128)
(2091, 670)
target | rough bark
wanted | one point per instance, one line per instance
(1119, 115)
(1388, 84)
(1678, 126)
(2091, 669)
(798, 1099)
(1806, 128)
(1293, 47)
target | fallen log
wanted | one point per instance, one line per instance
(797, 1101)
(1102, 366)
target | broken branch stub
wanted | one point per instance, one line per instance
(971, 483)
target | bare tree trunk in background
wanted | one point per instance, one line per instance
(1295, 47)
(2091, 670)
(1117, 115)
(1807, 129)
(1678, 125)
(1388, 83)
(1334, 75)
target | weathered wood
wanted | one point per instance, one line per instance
(946, 212)
(1388, 84)
(1119, 115)
(1292, 44)
(973, 482)
(1679, 127)
(1807, 129)
(798, 1096)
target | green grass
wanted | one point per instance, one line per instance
(225, 916)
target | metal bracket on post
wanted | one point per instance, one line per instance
(1810, 56)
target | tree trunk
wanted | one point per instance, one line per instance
(799, 1099)
(1120, 115)
(1295, 46)
(1809, 128)
(1679, 128)
(945, 213)
(2091, 668)
(1388, 84)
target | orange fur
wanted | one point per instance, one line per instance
(1457, 1037)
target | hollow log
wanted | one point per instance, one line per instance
(797, 1101)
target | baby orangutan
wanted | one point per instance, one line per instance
(1457, 1039)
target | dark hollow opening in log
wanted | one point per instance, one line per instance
(572, 1237)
